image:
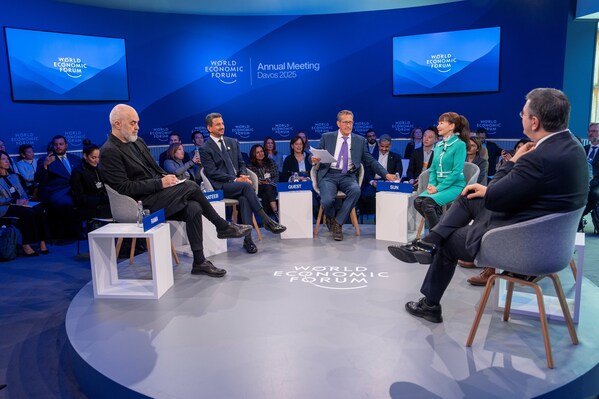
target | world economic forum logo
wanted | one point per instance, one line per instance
(441, 62)
(225, 71)
(71, 66)
(331, 277)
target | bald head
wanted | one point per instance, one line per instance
(125, 123)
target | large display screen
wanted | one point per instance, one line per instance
(49, 66)
(447, 62)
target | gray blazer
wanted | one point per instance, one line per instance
(5, 196)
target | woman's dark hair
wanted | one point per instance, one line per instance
(4, 153)
(414, 130)
(253, 158)
(292, 142)
(274, 145)
(521, 141)
(462, 126)
(89, 148)
(478, 142)
(170, 153)
(24, 147)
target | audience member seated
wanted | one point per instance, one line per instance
(388, 160)
(593, 160)
(88, 188)
(373, 147)
(304, 138)
(27, 166)
(197, 139)
(415, 142)
(507, 155)
(473, 156)
(271, 152)
(446, 179)
(226, 171)
(175, 165)
(421, 157)
(173, 138)
(268, 177)
(14, 202)
(298, 161)
(350, 151)
(493, 150)
(53, 176)
(13, 166)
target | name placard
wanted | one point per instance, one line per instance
(397, 187)
(154, 219)
(216, 195)
(294, 186)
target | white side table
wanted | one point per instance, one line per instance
(295, 209)
(103, 258)
(395, 214)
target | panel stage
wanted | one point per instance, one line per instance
(315, 318)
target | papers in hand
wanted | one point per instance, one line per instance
(179, 182)
(324, 155)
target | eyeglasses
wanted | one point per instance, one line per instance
(347, 122)
(522, 115)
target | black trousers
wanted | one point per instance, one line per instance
(592, 199)
(460, 241)
(31, 223)
(248, 200)
(267, 193)
(186, 202)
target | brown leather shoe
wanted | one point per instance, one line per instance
(337, 231)
(466, 265)
(482, 278)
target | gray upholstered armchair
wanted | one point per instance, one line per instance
(539, 247)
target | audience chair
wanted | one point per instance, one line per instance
(233, 202)
(124, 210)
(525, 242)
(471, 172)
(321, 218)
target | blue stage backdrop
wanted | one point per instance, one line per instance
(276, 75)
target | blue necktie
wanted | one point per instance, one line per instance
(592, 153)
(66, 164)
(343, 155)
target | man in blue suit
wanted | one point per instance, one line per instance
(53, 175)
(350, 151)
(224, 167)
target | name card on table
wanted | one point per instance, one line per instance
(216, 195)
(294, 186)
(397, 187)
(154, 219)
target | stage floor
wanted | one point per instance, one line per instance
(315, 318)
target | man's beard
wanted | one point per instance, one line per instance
(131, 138)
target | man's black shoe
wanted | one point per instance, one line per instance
(416, 251)
(250, 247)
(274, 227)
(208, 269)
(428, 312)
(234, 230)
(525, 277)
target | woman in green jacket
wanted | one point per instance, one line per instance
(446, 179)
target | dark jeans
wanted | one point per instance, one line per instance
(429, 209)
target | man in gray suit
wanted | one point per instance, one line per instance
(350, 150)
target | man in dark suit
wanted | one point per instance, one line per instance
(373, 147)
(350, 151)
(548, 175)
(53, 176)
(388, 160)
(224, 167)
(128, 167)
(493, 150)
(422, 157)
(592, 151)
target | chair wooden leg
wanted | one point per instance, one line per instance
(354, 221)
(175, 254)
(149, 252)
(565, 309)
(256, 227)
(481, 309)
(573, 267)
(234, 214)
(544, 327)
(119, 243)
(132, 252)
(420, 227)
(508, 300)
(318, 219)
